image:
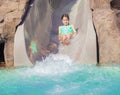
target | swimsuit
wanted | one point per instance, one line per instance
(66, 30)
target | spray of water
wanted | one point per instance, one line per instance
(53, 65)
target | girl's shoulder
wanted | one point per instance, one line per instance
(72, 25)
(60, 26)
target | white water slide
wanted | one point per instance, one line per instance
(44, 19)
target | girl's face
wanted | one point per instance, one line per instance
(65, 21)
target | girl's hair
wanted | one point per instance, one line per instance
(65, 15)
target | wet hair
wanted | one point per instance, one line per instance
(115, 4)
(65, 15)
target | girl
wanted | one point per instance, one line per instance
(66, 32)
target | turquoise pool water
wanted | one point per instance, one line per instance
(58, 75)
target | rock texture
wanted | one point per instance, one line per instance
(11, 12)
(107, 23)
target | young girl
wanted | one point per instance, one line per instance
(66, 32)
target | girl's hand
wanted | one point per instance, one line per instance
(75, 33)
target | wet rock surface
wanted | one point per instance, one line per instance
(11, 12)
(107, 24)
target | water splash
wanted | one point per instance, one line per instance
(53, 65)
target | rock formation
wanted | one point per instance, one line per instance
(107, 24)
(11, 12)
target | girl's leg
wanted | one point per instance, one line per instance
(60, 38)
(69, 36)
(67, 40)
(63, 38)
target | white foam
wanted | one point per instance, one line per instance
(52, 65)
(55, 64)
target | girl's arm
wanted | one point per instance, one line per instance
(75, 32)
(59, 29)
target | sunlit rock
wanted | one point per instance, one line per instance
(11, 12)
(107, 21)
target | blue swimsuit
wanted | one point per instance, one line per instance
(66, 30)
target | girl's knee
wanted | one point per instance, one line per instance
(64, 37)
(69, 36)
